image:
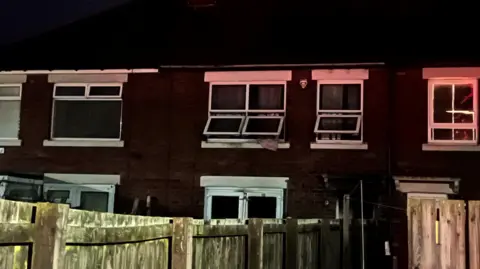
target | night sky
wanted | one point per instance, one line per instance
(21, 19)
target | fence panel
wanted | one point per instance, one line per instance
(16, 232)
(436, 234)
(53, 236)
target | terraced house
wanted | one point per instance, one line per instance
(219, 121)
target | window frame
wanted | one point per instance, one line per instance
(206, 132)
(86, 97)
(243, 194)
(345, 113)
(76, 192)
(13, 98)
(246, 113)
(277, 133)
(319, 119)
(431, 125)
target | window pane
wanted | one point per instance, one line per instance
(222, 125)
(61, 197)
(266, 97)
(442, 134)
(9, 119)
(340, 97)
(338, 124)
(228, 97)
(463, 103)
(262, 207)
(22, 192)
(442, 104)
(9, 91)
(87, 119)
(463, 134)
(94, 201)
(263, 125)
(70, 91)
(225, 207)
(104, 91)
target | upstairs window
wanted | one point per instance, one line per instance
(87, 111)
(10, 98)
(245, 111)
(453, 111)
(339, 111)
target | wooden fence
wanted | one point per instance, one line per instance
(441, 237)
(44, 235)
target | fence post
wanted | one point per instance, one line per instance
(49, 236)
(182, 243)
(255, 243)
(291, 243)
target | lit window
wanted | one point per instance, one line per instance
(339, 111)
(452, 111)
(10, 99)
(87, 111)
(245, 111)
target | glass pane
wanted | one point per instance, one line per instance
(94, 201)
(87, 119)
(263, 125)
(463, 134)
(262, 207)
(463, 103)
(10, 91)
(104, 91)
(70, 91)
(338, 124)
(442, 134)
(442, 104)
(221, 125)
(266, 97)
(225, 207)
(340, 97)
(229, 97)
(22, 192)
(9, 119)
(57, 196)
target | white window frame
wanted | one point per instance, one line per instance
(76, 192)
(86, 96)
(279, 130)
(206, 132)
(336, 113)
(431, 125)
(243, 194)
(245, 113)
(12, 98)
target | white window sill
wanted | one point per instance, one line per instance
(237, 145)
(83, 143)
(348, 146)
(10, 142)
(449, 147)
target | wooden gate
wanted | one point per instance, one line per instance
(439, 235)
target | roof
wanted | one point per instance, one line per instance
(143, 34)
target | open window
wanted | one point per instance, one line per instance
(339, 111)
(242, 110)
(263, 125)
(453, 111)
(338, 124)
(224, 125)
